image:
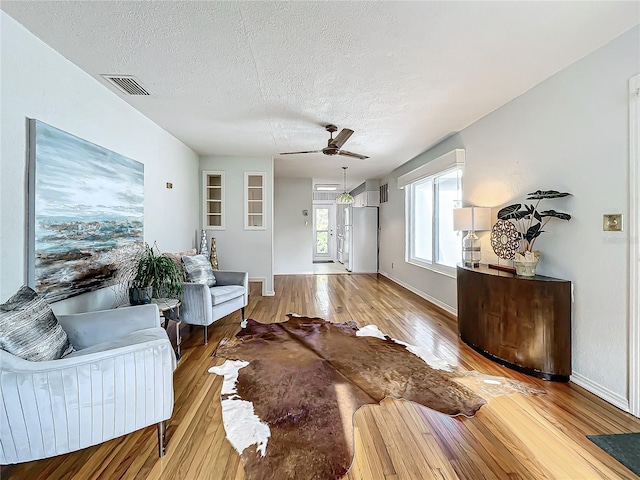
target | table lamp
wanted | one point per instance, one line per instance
(471, 219)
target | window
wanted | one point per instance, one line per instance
(432, 192)
(254, 201)
(213, 195)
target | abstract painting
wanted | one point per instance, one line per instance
(86, 212)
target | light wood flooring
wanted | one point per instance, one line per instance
(512, 437)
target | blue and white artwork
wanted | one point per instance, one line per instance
(86, 212)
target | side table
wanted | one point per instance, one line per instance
(169, 310)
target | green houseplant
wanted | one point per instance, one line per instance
(530, 222)
(155, 276)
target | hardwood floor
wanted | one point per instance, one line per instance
(512, 437)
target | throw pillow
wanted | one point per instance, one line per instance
(177, 258)
(198, 270)
(30, 330)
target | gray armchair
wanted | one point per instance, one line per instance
(203, 305)
(119, 380)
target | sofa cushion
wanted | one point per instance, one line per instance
(198, 269)
(30, 330)
(134, 338)
(225, 292)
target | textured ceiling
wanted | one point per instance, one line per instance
(258, 78)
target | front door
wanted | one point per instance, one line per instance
(323, 219)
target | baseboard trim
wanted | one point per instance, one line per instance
(600, 391)
(295, 273)
(420, 293)
(263, 281)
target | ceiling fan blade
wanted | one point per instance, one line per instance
(296, 153)
(351, 154)
(342, 137)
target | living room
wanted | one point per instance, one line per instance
(562, 123)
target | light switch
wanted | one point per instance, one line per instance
(612, 222)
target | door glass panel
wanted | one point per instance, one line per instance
(322, 230)
(322, 242)
(322, 219)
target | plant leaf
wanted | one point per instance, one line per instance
(553, 213)
(537, 216)
(512, 212)
(540, 194)
(533, 232)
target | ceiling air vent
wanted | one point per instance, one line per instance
(128, 84)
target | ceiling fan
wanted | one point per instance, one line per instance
(334, 145)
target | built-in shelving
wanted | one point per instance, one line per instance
(254, 205)
(213, 195)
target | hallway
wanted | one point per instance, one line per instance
(328, 268)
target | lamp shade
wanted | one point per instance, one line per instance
(472, 218)
(345, 199)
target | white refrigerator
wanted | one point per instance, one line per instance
(360, 253)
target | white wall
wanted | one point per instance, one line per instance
(239, 249)
(38, 82)
(292, 239)
(569, 133)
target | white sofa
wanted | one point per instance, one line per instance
(119, 380)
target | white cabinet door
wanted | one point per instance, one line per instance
(373, 198)
(369, 198)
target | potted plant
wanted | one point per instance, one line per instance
(155, 276)
(530, 223)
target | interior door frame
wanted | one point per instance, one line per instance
(634, 246)
(332, 244)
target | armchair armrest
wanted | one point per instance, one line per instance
(87, 329)
(227, 277)
(149, 339)
(196, 304)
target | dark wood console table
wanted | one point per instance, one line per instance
(521, 322)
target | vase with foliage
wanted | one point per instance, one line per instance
(155, 276)
(530, 221)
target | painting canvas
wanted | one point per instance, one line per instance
(86, 211)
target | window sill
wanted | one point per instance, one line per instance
(437, 268)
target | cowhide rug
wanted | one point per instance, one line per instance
(292, 388)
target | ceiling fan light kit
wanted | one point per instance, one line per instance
(345, 198)
(334, 145)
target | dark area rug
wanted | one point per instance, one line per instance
(624, 447)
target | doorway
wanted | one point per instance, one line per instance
(324, 218)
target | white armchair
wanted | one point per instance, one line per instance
(119, 380)
(203, 305)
